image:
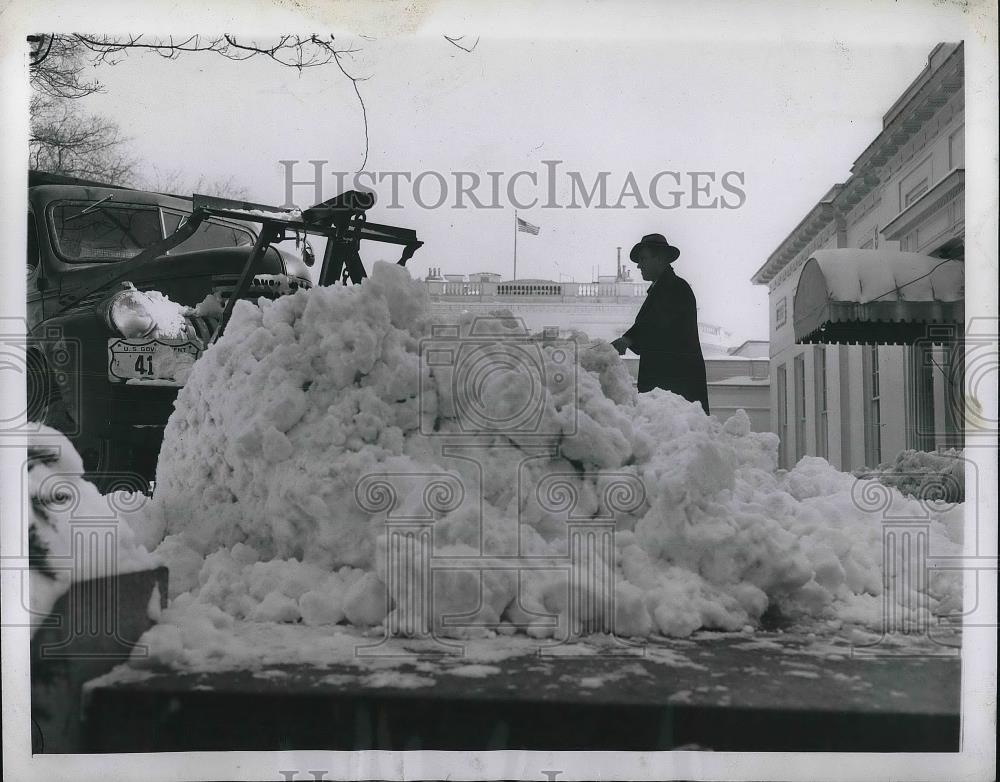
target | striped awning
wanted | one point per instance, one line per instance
(878, 297)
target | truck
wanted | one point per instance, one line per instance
(105, 263)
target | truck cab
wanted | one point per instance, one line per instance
(101, 368)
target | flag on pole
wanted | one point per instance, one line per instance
(525, 227)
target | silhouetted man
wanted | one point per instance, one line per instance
(665, 333)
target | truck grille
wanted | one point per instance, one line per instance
(270, 286)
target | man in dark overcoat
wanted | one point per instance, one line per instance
(665, 333)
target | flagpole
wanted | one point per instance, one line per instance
(515, 244)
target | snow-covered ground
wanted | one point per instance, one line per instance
(318, 414)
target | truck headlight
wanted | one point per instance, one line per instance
(130, 313)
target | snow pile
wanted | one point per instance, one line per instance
(319, 413)
(68, 511)
(926, 475)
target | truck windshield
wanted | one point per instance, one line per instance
(208, 235)
(107, 233)
(116, 232)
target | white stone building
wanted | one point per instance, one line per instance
(866, 296)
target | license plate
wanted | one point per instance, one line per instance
(163, 362)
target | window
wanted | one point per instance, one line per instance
(782, 417)
(915, 183)
(956, 148)
(781, 312)
(915, 192)
(209, 235)
(822, 405)
(103, 232)
(872, 410)
(920, 397)
(800, 407)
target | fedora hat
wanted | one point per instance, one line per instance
(660, 242)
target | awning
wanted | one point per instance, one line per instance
(878, 297)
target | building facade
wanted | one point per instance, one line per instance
(860, 404)
(738, 377)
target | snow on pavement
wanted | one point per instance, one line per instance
(262, 515)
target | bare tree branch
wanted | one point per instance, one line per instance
(293, 51)
(38, 56)
(63, 140)
(454, 41)
(58, 60)
(57, 68)
(174, 181)
(361, 100)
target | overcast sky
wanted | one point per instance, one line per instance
(790, 117)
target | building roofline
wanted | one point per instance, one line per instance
(730, 358)
(814, 221)
(921, 79)
(742, 381)
(734, 351)
(924, 95)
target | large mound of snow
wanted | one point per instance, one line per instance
(319, 414)
(926, 475)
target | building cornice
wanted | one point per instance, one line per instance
(930, 202)
(902, 122)
(808, 228)
(931, 90)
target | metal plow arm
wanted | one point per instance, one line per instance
(341, 220)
